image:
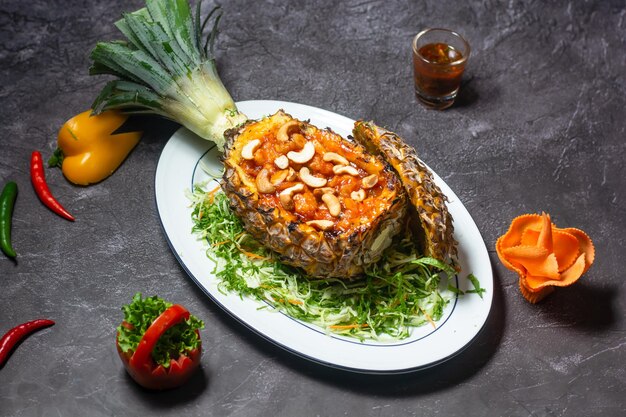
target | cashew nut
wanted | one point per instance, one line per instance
(304, 155)
(324, 190)
(341, 169)
(369, 181)
(263, 183)
(335, 158)
(320, 224)
(358, 195)
(279, 177)
(286, 195)
(310, 180)
(283, 132)
(291, 175)
(281, 162)
(247, 152)
(332, 202)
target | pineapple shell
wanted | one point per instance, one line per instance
(340, 252)
(434, 229)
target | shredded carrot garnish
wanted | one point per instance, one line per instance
(291, 301)
(430, 320)
(348, 326)
(254, 255)
(211, 194)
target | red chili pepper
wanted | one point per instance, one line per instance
(18, 333)
(142, 367)
(38, 178)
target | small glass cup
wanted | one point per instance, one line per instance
(439, 58)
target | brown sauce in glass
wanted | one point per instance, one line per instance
(434, 75)
(440, 53)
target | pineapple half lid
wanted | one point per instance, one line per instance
(428, 214)
(323, 203)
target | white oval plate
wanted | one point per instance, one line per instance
(179, 168)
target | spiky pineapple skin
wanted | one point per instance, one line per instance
(320, 254)
(426, 198)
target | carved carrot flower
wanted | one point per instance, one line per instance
(543, 255)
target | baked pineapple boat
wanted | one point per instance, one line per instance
(327, 204)
(322, 203)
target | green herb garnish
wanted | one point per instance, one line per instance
(477, 288)
(400, 292)
(140, 314)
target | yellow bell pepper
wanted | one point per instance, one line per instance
(87, 150)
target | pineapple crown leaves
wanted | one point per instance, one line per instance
(164, 46)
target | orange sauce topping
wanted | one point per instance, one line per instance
(308, 205)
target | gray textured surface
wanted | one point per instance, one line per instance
(539, 126)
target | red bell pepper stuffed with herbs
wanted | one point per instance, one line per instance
(159, 342)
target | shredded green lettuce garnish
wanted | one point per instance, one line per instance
(398, 293)
(477, 288)
(140, 314)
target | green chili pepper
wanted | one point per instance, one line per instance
(7, 201)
